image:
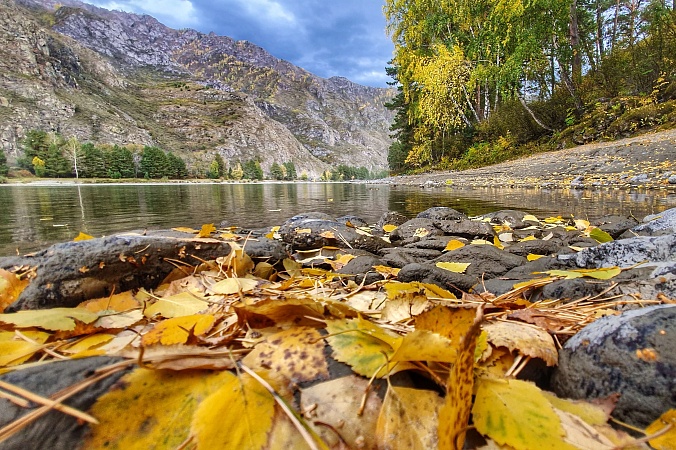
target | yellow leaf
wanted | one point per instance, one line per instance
(408, 419)
(237, 263)
(453, 244)
(424, 345)
(163, 404)
(292, 267)
(337, 404)
(303, 230)
(361, 344)
(228, 236)
(229, 286)
(237, 416)
(453, 267)
(403, 307)
(528, 339)
(206, 230)
(386, 270)
(118, 320)
(118, 302)
(580, 434)
(265, 270)
(666, 441)
(327, 234)
(515, 413)
(389, 228)
(88, 345)
(186, 230)
(15, 352)
(291, 356)
(581, 224)
(55, 319)
(183, 304)
(82, 237)
(497, 243)
(589, 412)
(529, 238)
(177, 330)
(554, 220)
(604, 273)
(481, 242)
(452, 323)
(530, 218)
(454, 414)
(533, 257)
(10, 288)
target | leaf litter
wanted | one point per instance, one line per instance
(233, 354)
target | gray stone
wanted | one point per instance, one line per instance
(536, 247)
(362, 267)
(72, 272)
(411, 227)
(655, 225)
(627, 252)
(54, 430)
(640, 178)
(399, 257)
(435, 242)
(486, 261)
(633, 354)
(426, 273)
(574, 289)
(441, 213)
(391, 218)
(470, 229)
(354, 220)
(672, 179)
(577, 182)
(615, 225)
(310, 233)
(510, 217)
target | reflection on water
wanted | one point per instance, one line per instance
(32, 217)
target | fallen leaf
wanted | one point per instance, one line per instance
(424, 345)
(186, 230)
(11, 287)
(515, 413)
(206, 230)
(453, 244)
(88, 345)
(177, 330)
(387, 228)
(229, 286)
(303, 230)
(237, 415)
(453, 267)
(533, 257)
(408, 419)
(666, 441)
(163, 404)
(403, 307)
(118, 302)
(327, 234)
(600, 235)
(529, 340)
(184, 304)
(604, 273)
(82, 237)
(55, 319)
(580, 434)
(421, 232)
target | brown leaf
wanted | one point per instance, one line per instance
(528, 339)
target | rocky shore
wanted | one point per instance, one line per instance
(498, 257)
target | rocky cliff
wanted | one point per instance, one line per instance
(114, 77)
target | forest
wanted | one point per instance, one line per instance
(483, 81)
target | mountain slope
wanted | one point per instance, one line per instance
(188, 91)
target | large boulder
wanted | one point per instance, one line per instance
(633, 354)
(485, 261)
(655, 225)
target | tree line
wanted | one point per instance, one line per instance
(471, 71)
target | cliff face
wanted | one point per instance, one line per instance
(115, 77)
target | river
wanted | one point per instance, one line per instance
(34, 216)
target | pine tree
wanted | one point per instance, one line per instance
(276, 172)
(154, 162)
(290, 171)
(4, 168)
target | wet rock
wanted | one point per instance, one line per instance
(536, 247)
(530, 269)
(655, 225)
(426, 273)
(627, 252)
(435, 242)
(639, 179)
(510, 217)
(311, 233)
(72, 272)
(264, 249)
(470, 229)
(413, 227)
(672, 179)
(573, 289)
(391, 218)
(633, 354)
(399, 257)
(362, 267)
(54, 430)
(354, 220)
(441, 213)
(486, 261)
(615, 225)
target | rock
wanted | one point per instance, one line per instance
(486, 261)
(627, 252)
(577, 182)
(633, 354)
(574, 289)
(639, 179)
(441, 213)
(72, 272)
(456, 283)
(615, 225)
(417, 226)
(655, 225)
(399, 257)
(55, 430)
(354, 220)
(672, 179)
(510, 217)
(304, 233)
(434, 242)
(470, 229)
(362, 266)
(536, 247)
(391, 218)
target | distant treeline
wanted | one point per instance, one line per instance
(54, 156)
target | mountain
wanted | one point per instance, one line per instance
(115, 77)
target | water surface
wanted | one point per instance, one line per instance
(33, 217)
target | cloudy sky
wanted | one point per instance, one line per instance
(327, 37)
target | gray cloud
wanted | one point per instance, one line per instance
(328, 38)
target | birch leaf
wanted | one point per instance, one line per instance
(82, 237)
(10, 288)
(408, 419)
(600, 235)
(453, 267)
(453, 244)
(183, 304)
(206, 230)
(528, 339)
(666, 441)
(55, 319)
(177, 330)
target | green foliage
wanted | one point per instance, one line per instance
(4, 168)
(213, 170)
(252, 170)
(221, 164)
(56, 165)
(276, 172)
(237, 172)
(35, 143)
(290, 169)
(176, 167)
(120, 160)
(93, 162)
(154, 162)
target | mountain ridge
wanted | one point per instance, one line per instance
(332, 121)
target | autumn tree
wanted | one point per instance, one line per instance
(213, 170)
